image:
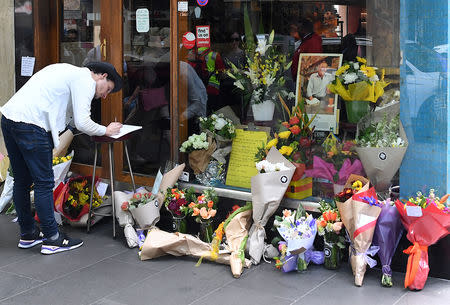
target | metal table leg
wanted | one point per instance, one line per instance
(129, 166)
(92, 189)
(111, 175)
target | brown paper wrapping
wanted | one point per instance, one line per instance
(159, 243)
(267, 191)
(351, 211)
(168, 180)
(64, 142)
(236, 231)
(199, 159)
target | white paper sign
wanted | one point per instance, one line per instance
(183, 6)
(126, 129)
(27, 66)
(142, 20)
(413, 211)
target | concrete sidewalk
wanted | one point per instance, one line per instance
(105, 271)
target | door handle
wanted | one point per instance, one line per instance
(103, 49)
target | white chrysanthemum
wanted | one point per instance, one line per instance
(280, 167)
(356, 66)
(350, 78)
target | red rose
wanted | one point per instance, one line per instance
(305, 142)
(124, 206)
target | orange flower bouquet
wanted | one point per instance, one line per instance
(204, 208)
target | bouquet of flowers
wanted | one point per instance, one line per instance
(381, 145)
(293, 140)
(61, 166)
(388, 232)
(358, 84)
(359, 209)
(174, 202)
(72, 199)
(203, 208)
(385, 133)
(355, 81)
(263, 76)
(329, 226)
(337, 164)
(139, 205)
(267, 189)
(298, 230)
(223, 132)
(200, 148)
(426, 219)
(218, 125)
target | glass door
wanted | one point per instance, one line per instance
(80, 43)
(146, 91)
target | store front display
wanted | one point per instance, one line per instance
(276, 102)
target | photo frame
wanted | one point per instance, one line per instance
(315, 72)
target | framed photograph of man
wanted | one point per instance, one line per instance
(315, 72)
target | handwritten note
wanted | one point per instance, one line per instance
(27, 66)
(242, 159)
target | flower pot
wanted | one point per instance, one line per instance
(146, 215)
(179, 224)
(332, 253)
(206, 230)
(263, 111)
(356, 110)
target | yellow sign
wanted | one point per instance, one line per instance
(242, 159)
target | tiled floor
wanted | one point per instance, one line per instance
(104, 271)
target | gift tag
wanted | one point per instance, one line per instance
(413, 211)
(364, 219)
(184, 176)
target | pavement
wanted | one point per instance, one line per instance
(105, 271)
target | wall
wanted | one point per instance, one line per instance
(424, 95)
(7, 77)
(7, 80)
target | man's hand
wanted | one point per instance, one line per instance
(113, 129)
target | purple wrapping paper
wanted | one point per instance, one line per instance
(290, 263)
(388, 231)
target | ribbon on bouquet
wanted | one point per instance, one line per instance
(317, 257)
(415, 253)
(371, 251)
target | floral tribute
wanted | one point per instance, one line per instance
(204, 207)
(177, 199)
(263, 74)
(138, 199)
(356, 81)
(195, 142)
(218, 125)
(426, 220)
(77, 203)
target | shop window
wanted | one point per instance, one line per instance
(368, 29)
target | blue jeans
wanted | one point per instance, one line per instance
(30, 152)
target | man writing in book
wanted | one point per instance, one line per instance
(32, 120)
